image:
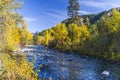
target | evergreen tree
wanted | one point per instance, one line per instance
(73, 8)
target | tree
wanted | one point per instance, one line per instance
(25, 35)
(9, 21)
(11, 35)
(59, 36)
(60, 32)
(73, 8)
(78, 34)
(35, 38)
(108, 32)
(47, 37)
(14, 66)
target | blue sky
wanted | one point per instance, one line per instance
(44, 14)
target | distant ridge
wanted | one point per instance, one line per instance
(93, 18)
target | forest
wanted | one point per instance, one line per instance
(94, 35)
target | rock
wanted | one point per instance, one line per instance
(106, 73)
(62, 59)
(43, 66)
(50, 78)
(70, 59)
(58, 78)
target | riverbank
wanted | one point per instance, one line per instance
(69, 65)
(84, 55)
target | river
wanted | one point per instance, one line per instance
(53, 65)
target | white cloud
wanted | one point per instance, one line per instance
(57, 14)
(103, 5)
(84, 12)
(62, 15)
(29, 19)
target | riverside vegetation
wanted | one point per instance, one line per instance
(13, 34)
(93, 35)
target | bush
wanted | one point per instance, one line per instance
(16, 67)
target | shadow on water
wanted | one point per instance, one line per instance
(53, 65)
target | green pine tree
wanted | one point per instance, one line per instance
(73, 8)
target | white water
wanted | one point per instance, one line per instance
(66, 66)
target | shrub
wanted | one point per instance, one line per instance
(16, 67)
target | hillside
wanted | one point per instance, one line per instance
(92, 18)
(98, 38)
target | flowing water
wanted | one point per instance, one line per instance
(54, 65)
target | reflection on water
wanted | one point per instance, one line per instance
(60, 66)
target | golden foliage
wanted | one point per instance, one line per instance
(25, 35)
(60, 31)
(78, 34)
(17, 67)
(46, 37)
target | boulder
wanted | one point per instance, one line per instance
(106, 73)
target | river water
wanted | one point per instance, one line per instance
(54, 65)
